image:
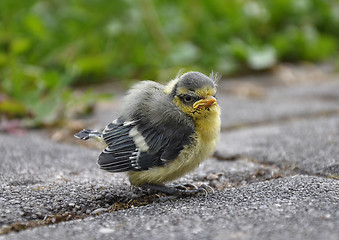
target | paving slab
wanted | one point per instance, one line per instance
(40, 177)
(275, 102)
(309, 145)
(299, 207)
(33, 158)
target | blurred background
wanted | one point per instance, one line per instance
(49, 49)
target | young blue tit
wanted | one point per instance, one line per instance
(163, 132)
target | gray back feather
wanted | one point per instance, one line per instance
(147, 99)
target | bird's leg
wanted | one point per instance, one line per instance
(180, 191)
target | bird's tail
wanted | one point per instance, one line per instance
(86, 134)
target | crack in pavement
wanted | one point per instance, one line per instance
(144, 200)
(50, 219)
(68, 216)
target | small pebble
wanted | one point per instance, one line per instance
(71, 204)
(106, 230)
(99, 211)
(212, 176)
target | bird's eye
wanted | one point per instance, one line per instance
(188, 98)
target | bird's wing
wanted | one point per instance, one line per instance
(137, 145)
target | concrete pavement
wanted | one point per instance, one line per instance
(276, 169)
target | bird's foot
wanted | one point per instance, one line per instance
(188, 187)
(181, 190)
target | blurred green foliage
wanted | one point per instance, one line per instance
(48, 45)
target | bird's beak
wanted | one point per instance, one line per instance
(205, 102)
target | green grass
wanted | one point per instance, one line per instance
(46, 47)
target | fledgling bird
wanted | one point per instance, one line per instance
(163, 132)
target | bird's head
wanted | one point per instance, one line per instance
(194, 94)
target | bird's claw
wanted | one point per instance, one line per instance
(186, 186)
(203, 188)
(207, 188)
(191, 189)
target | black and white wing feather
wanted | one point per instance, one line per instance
(137, 145)
(121, 152)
